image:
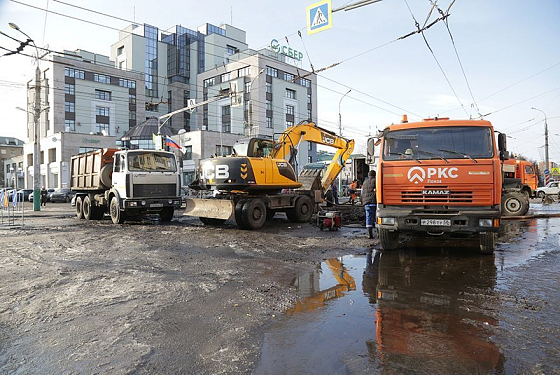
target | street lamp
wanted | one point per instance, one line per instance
(340, 132)
(251, 103)
(37, 118)
(545, 139)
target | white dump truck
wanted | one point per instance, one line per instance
(125, 184)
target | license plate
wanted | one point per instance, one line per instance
(156, 205)
(436, 222)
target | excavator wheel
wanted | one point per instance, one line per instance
(238, 217)
(253, 213)
(302, 211)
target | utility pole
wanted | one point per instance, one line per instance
(37, 125)
(546, 160)
(340, 134)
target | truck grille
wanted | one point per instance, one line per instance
(154, 191)
(416, 196)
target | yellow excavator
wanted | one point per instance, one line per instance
(259, 179)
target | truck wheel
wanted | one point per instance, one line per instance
(541, 194)
(238, 214)
(487, 242)
(389, 240)
(166, 214)
(79, 209)
(302, 211)
(253, 213)
(87, 208)
(210, 221)
(117, 216)
(515, 204)
(270, 214)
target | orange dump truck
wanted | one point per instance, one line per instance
(439, 177)
(525, 172)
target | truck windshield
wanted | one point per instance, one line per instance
(457, 142)
(150, 162)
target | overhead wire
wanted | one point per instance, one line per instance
(435, 58)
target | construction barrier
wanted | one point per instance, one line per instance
(12, 211)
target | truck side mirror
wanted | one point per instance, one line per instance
(504, 155)
(370, 150)
(502, 142)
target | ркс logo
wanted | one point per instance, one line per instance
(416, 174)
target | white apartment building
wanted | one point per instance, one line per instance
(86, 104)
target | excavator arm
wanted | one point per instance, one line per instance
(286, 147)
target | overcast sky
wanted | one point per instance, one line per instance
(509, 50)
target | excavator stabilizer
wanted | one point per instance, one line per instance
(210, 208)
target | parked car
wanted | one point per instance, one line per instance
(49, 192)
(62, 195)
(23, 194)
(551, 188)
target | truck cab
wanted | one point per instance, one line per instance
(439, 177)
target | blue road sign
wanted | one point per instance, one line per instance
(319, 17)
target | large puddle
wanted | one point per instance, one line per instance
(429, 310)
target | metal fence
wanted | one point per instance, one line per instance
(12, 210)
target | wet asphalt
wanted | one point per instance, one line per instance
(432, 306)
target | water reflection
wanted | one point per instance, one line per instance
(422, 312)
(430, 312)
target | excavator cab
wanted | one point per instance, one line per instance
(253, 147)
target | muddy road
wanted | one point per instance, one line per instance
(92, 297)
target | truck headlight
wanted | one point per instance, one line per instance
(170, 201)
(133, 204)
(143, 203)
(487, 223)
(386, 220)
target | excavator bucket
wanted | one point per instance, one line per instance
(311, 179)
(210, 208)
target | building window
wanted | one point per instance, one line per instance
(131, 115)
(70, 125)
(226, 110)
(289, 123)
(269, 122)
(209, 82)
(120, 50)
(271, 71)
(290, 94)
(102, 128)
(101, 78)
(127, 83)
(269, 105)
(205, 114)
(102, 95)
(289, 77)
(247, 87)
(231, 50)
(308, 98)
(269, 87)
(188, 153)
(308, 115)
(152, 107)
(74, 73)
(225, 77)
(132, 99)
(244, 72)
(289, 109)
(101, 111)
(305, 82)
(226, 127)
(69, 107)
(309, 146)
(223, 150)
(309, 159)
(83, 150)
(69, 89)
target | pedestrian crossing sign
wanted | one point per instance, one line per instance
(319, 17)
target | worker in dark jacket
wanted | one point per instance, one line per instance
(369, 200)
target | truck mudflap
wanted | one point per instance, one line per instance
(210, 208)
